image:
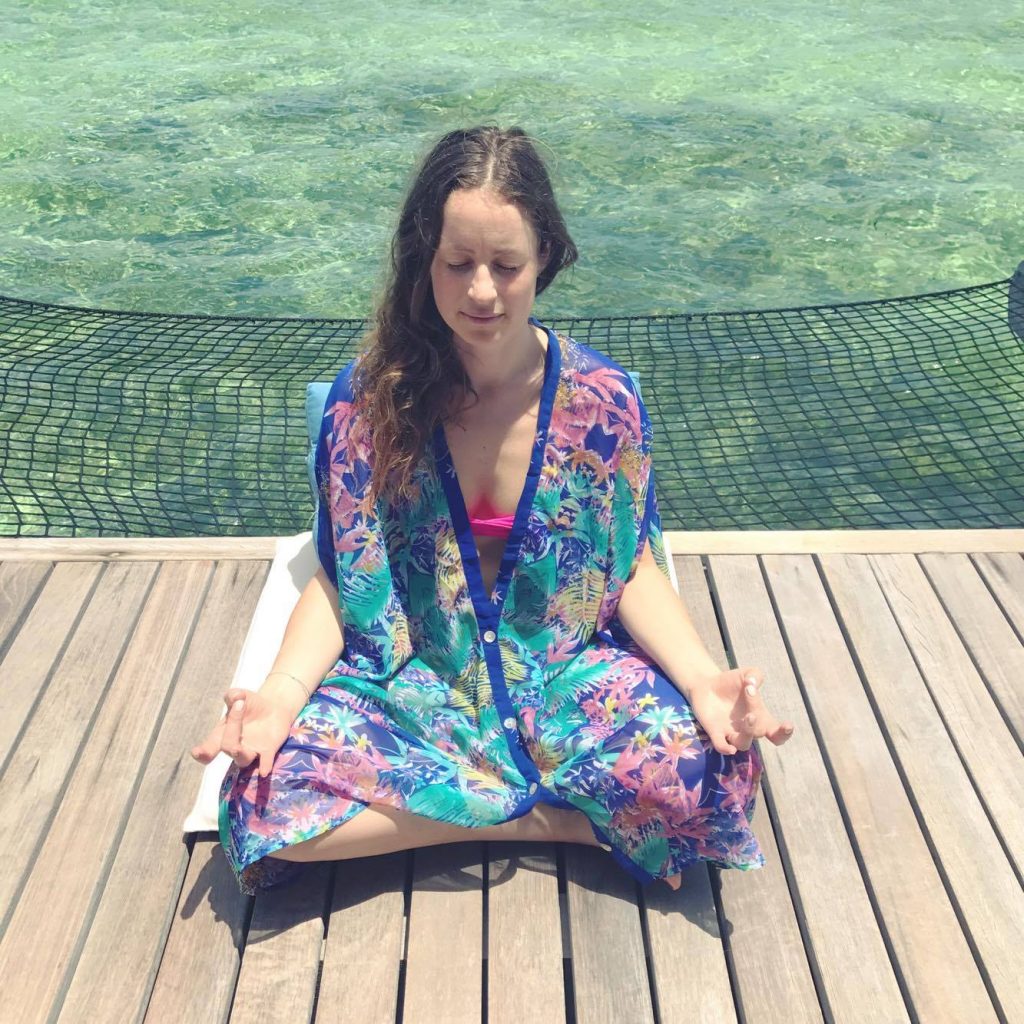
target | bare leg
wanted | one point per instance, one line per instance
(379, 828)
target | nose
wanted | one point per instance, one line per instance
(481, 289)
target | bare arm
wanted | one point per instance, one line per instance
(313, 642)
(656, 618)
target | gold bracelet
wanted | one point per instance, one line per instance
(278, 672)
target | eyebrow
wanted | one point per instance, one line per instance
(497, 252)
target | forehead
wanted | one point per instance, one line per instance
(474, 218)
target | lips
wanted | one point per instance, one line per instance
(482, 319)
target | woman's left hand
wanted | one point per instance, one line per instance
(730, 709)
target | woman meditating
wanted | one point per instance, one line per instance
(491, 648)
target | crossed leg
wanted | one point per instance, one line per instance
(379, 828)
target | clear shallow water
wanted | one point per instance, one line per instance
(197, 158)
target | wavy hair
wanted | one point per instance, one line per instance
(408, 376)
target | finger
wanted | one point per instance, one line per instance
(777, 732)
(742, 737)
(736, 741)
(231, 742)
(781, 733)
(206, 751)
(266, 762)
(769, 724)
(721, 743)
(235, 693)
(233, 725)
(763, 720)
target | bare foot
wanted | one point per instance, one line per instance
(673, 881)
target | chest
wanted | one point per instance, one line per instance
(491, 448)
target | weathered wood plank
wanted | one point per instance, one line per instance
(20, 582)
(53, 914)
(444, 962)
(365, 940)
(1003, 576)
(147, 869)
(277, 980)
(691, 976)
(973, 870)
(28, 666)
(37, 773)
(148, 549)
(688, 963)
(848, 955)
(921, 929)
(760, 919)
(977, 728)
(809, 542)
(608, 956)
(200, 962)
(524, 935)
(771, 975)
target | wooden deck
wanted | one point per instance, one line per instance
(892, 821)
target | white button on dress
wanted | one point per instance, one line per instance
(490, 636)
(604, 846)
(510, 723)
(533, 787)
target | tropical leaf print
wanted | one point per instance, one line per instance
(419, 714)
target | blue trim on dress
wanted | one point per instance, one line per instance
(323, 530)
(645, 523)
(488, 611)
(323, 535)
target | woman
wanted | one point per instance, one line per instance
(490, 658)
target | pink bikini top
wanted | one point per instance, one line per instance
(484, 520)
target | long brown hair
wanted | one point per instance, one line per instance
(408, 376)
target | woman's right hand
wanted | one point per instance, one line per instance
(255, 726)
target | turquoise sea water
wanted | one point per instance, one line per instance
(199, 157)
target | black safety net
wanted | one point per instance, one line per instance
(899, 413)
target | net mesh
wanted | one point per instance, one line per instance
(901, 413)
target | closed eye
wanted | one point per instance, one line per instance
(466, 266)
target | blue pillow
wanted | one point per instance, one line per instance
(316, 400)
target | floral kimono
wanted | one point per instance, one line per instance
(470, 709)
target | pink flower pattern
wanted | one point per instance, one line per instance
(468, 708)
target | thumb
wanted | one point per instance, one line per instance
(710, 726)
(722, 745)
(206, 751)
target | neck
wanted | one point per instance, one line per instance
(512, 366)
